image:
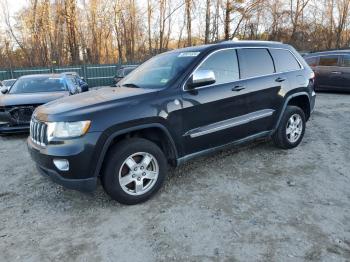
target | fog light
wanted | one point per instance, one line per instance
(61, 164)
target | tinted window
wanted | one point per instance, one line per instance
(284, 60)
(255, 62)
(346, 61)
(38, 84)
(224, 64)
(331, 60)
(312, 61)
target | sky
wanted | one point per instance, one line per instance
(13, 7)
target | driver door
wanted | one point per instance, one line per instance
(211, 111)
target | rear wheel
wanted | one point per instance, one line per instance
(135, 170)
(291, 129)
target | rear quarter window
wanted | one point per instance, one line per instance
(331, 60)
(284, 60)
(255, 62)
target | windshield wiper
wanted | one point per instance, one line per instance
(131, 85)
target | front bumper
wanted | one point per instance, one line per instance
(79, 152)
(10, 129)
(84, 185)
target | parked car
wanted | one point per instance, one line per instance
(123, 72)
(78, 81)
(19, 101)
(7, 83)
(332, 70)
(174, 107)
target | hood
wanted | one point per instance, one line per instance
(90, 101)
(30, 98)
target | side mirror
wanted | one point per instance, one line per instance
(4, 90)
(201, 78)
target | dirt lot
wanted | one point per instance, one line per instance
(257, 203)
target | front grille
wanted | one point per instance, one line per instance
(21, 114)
(38, 132)
(17, 115)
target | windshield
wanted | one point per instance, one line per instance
(38, 84)
(8, 82)
(160, 70)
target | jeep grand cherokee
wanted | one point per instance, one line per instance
(176, 106)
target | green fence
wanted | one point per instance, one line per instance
(95, 75)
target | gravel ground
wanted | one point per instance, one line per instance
(256, 203)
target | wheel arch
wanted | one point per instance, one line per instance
(300, 99)
(154, 132)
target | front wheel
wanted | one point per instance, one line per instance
(135, 170)
(291, 128)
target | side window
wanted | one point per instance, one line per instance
(284, 60)
(330, 60)
(255, 62)
(224, 64)
(345, 61)
(312, 61)
(72, 87)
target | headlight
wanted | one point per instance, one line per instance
(67, 129)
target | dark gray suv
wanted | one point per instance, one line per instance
(332, 70)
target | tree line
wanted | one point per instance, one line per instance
(64, 32)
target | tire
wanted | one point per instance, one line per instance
(127, 177)
(288, 141)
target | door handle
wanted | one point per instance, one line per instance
(280, 79)
(337, 72)
(238, 88)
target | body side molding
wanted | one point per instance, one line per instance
(229, 123)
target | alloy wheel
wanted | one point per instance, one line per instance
(138, 173)
(294, 128)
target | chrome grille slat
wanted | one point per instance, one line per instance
(38, 132)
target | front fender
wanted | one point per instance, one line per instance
(109, 135)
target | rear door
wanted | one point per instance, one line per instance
(328, 72)
(258, 76)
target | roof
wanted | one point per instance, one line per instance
(42, 75)
(331, 52)
(227, 44)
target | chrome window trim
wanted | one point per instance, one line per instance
(229, 123)
(242, 79)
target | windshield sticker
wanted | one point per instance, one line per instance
(164, 81)
(189, 54)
